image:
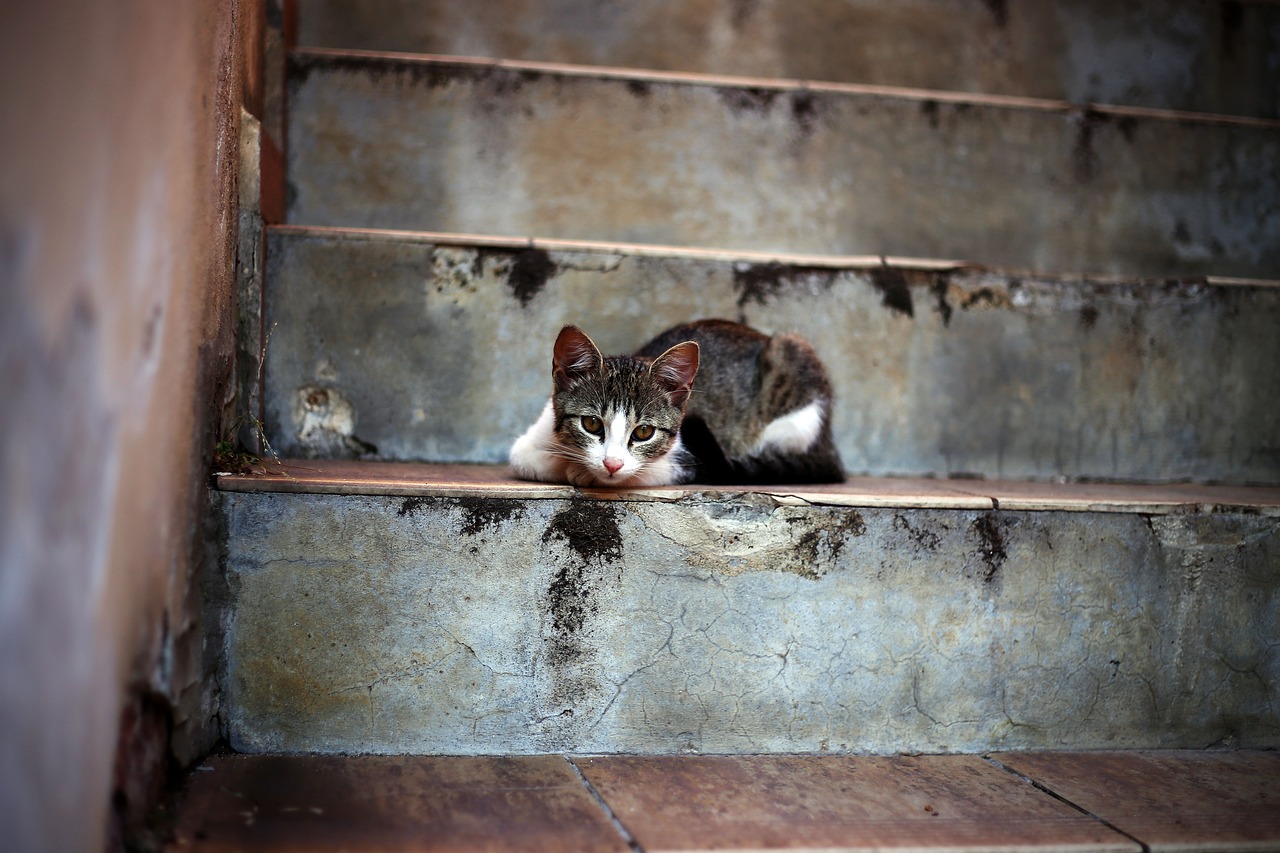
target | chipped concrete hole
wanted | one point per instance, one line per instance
(324, 423)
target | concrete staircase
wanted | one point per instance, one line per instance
(1051, 326)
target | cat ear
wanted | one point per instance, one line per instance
(674, 371)
(574, 356)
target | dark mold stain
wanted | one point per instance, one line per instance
(480, 514)
(639, 88)
(1181, 233)
(411, 506)
(754, 100)
(991, 544)
(434, 75)
(821, 544)
(510, 81)
(742, 12)
(590, 529)
(1232, 21)
(926, 539)
(1084, 157)
(1088, 317)
(941, 287)
(529, 273)
(569, 596)
(930, 110)
(893, 287)
(999, 10)
(805, 111)
(1128, 125)
(759, 283)
(986, 296)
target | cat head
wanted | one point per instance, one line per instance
(617, 419)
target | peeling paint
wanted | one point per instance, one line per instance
(752, 538)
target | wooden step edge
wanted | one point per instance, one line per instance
(307, 56)
(415, 479)
(740, 256)
(496, 241)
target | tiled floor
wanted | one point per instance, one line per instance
(1018, 801)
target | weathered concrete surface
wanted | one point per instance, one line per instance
(401, 348)
(448, 625)
(464, 147)
(1174, 54)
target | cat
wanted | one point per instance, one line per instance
(760, 413)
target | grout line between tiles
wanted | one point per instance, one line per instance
(613, 818)
(1045, 789)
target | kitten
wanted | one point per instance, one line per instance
(760, 413)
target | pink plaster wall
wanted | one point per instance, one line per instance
(117, 216)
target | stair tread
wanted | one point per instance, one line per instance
(938, 369)
(304, 56)
(1190, 56)
(714, 253)
(847, 169)
(354, 477)
(454, 616)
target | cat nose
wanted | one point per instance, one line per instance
(613, 465)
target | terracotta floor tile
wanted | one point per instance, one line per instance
(932, 803)
(392, 803)
(1204, 801)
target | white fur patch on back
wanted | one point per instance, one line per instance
(794, 432)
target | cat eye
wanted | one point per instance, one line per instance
(644, 432)
(593, 425)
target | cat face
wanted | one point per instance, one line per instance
(617, 420)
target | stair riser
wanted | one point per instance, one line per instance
(476, 149)
(443, 353)
(1185, 55)
(474, 626)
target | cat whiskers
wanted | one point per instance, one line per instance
(570, 455)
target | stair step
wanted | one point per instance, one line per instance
(405, 346)
(1222, 801)
(449, 611)
(414, 479)
(479, 146)
(1209, 57)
